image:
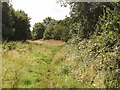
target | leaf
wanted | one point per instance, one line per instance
(118, 22)
(111, 32)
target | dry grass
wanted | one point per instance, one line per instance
(48, 42)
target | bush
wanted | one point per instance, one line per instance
(38, 31)
(108, 38)
(58, 32)
(49, 33)
(9, 45)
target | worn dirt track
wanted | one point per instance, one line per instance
(47, 42)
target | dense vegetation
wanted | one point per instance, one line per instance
(51, 29)
(89, 58)
(15, 24)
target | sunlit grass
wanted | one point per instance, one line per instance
(30, 65)
(35, 65)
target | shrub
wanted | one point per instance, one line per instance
(38, 31)
(58, 32)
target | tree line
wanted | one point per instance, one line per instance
(51, 29)
(15, 24)
(86, 21)
(96, 23)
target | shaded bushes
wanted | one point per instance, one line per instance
(58, 32)
(38, 31)
(15, 24)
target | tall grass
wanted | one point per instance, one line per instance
(30, 65)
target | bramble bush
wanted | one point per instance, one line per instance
(108, 31)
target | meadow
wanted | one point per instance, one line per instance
(36, 65)
(55, 64)
(80, 51)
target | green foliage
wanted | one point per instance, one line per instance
(108, 31)
(65, 22)
(9, 46)
(49, 33)
(15, 24)
(85, 16)
(85, 62)
(36, 68)
(38, 31)
(48, 21)
(104, 47)
(58, 32)
(7, 21)
(61, 33)
(21, 25)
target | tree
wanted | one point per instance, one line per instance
(38, 31)
(49, 21)
(21, 26)
(108, 39)
(7, 21)
(15, 24)
(58, 32)
(86, 15)
(61, 33)
(49, 33)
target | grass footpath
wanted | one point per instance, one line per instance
(54, 64)
(37, 65)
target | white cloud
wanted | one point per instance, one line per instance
(39, 9)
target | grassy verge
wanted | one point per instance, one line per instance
(33, 65)
(30, 65)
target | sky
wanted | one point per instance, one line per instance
(38, 10)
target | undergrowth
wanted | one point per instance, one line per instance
(28, 65)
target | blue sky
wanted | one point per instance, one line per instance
(39, 9)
